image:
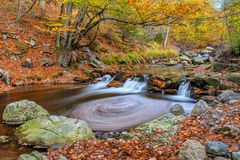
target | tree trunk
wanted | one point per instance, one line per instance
(166, 37)
(67, 23)
(65, 49)
(20, 9)
(58, 39)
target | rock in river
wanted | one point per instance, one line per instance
(177, 110)
(53, 131)
(22, 111)
(192, 150)
(199, 108)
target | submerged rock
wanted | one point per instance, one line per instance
(35, 155)
(22, 111)
(177, 110)
(192, 150)
(199, 108)
(54, 131)
(216, 148)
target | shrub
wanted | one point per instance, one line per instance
(159, 37)
(22, 47)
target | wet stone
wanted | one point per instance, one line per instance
(177, 110)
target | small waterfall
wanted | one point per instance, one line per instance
(185, 88)
(137, 83)
(102, 82)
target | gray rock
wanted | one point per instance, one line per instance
(4, 36)
(177, 110)
(228, 130)
(199, 108)
(16, 36)
(228, 96)
(200, 60)
(47, 62)
(22, 111)
(4, 139)
(7, 79)
(32, 43)
(218, 115)
(27, 64)
(54, 131)
(192, 150)
(35, 155)
(216, 148)
(1, 73)
(236, 155)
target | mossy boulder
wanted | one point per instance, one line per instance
(213, 81)
(218, 67)
(234, 77)
(199, 108)
(164, 123)
(168, 124)
(33, 156)
(53, 131)
(22, 111)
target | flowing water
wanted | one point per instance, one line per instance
(105, 109)
(185, 88)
